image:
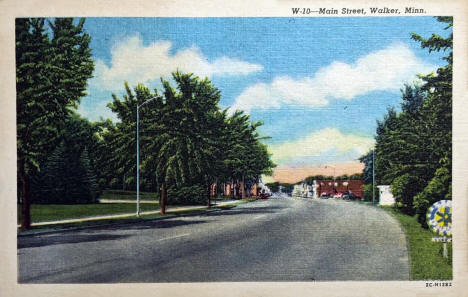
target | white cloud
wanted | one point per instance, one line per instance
(134, 62)
(385, 70)
(318, 143)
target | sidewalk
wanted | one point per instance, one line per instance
(126, 201)
(126, 215)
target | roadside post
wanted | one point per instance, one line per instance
(439, 220)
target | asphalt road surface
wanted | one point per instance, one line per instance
(279, 239)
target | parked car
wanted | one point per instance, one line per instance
(264, 195)
(325, 195)
(349, 196)
(338, 195)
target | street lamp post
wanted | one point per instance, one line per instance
(138, 152)
(334, 177)
(373, 175)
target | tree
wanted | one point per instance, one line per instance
(48, 185)
(368, 160)
(67, 176)
(274, 186)
(120, 139)
(51, 77)
(82, 184)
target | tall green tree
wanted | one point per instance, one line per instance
(68, 175)
(49, 185)
(120, 138)
(51, 75)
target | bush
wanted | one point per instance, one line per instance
(367, 193)
(439, 188)
(194, 194)
(404, 188)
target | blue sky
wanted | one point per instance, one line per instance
(319, 84)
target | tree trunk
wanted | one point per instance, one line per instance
(231, 188)
(160, 196)
(209, 195)
(163, 198)
(242, 188)
(25, 201)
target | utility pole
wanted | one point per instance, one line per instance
(138, 152)
(373, 176)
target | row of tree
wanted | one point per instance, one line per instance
(413, 151)
(310, 179)
(285, 187)
(187, 142)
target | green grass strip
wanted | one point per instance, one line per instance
(427, 262)
(127, 195)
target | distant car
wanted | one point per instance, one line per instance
(325, 195)
(349, 196)
(338, 195)
(264, 195)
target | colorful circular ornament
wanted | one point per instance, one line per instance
(439, 217)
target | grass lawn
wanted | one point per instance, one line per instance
(427, 262)
(50, 212)
(127, 195)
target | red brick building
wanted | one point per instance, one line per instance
(332, 187)
(233, 189)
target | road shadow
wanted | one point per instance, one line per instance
(29, 242)
(167, 223)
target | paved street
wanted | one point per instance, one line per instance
(279, 239)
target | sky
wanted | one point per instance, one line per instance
(318, 84)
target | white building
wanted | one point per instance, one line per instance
(263, 188)
(385, 195)
(303, 190)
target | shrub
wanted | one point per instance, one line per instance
(194, 194)
(367, 193)
(439, 188)
(404, 188)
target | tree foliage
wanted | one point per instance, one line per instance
(367, 172)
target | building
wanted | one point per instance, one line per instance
(303, 190)
(234, 189)
(332, 187)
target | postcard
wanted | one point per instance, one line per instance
(282, 148)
